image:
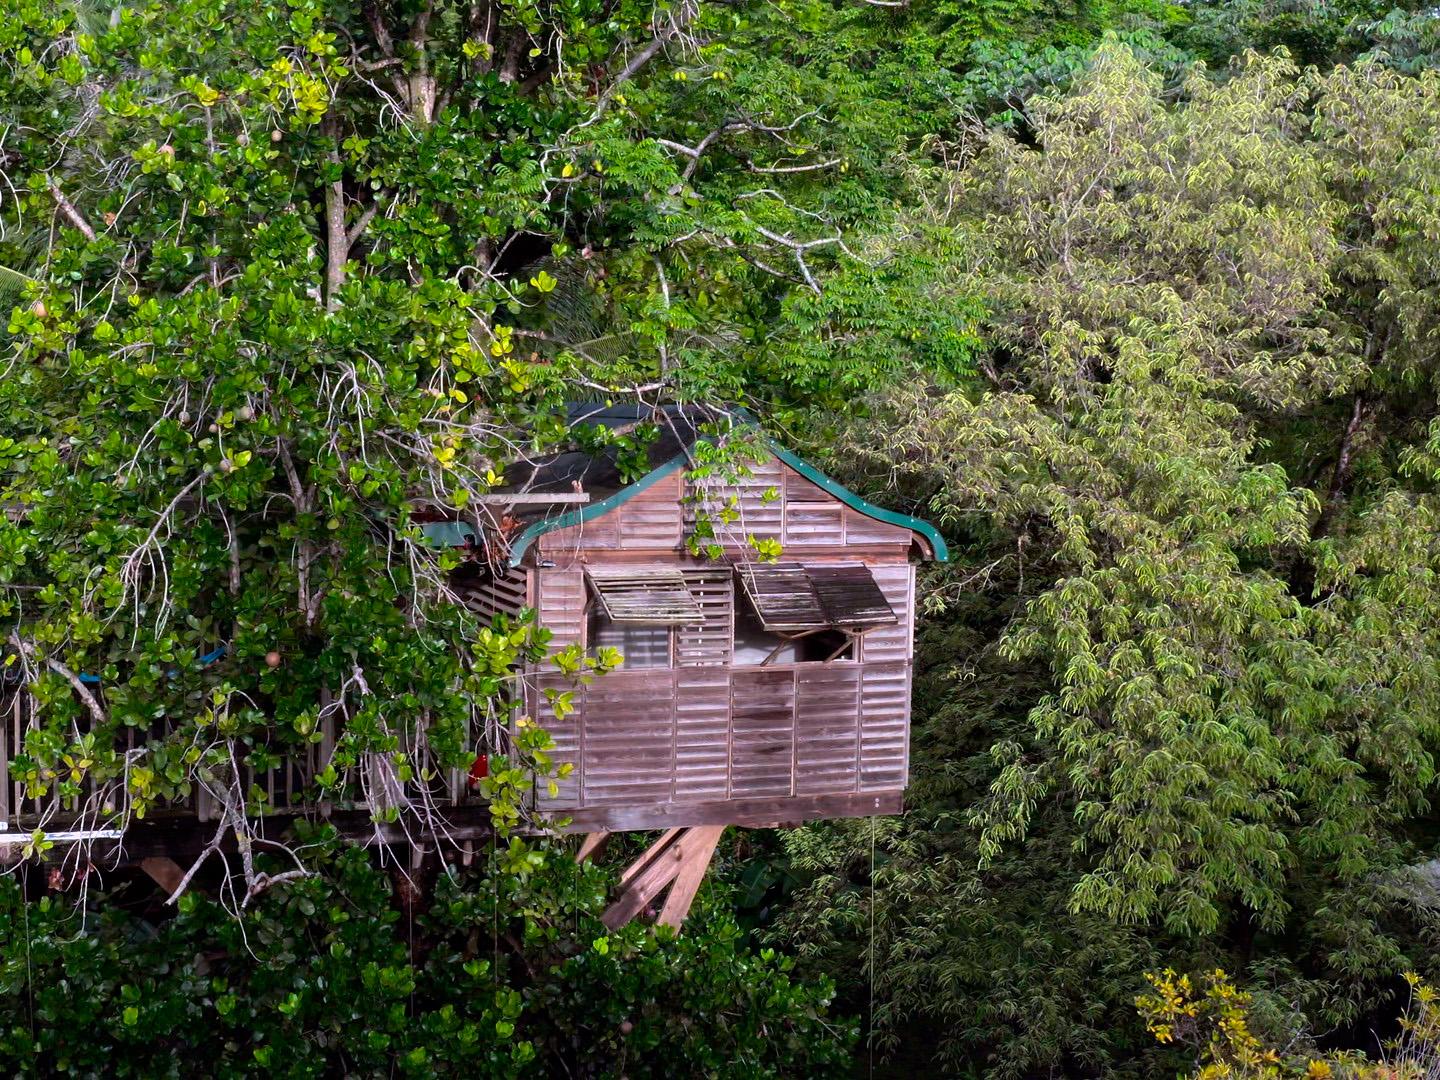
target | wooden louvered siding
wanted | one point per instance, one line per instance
(497, 594)
(803, 516)
(598, 534)
(702, 734)
(648, 520)
(665, 739)
(892, 643)
(812, 516)
(800, 490)
(762, 726)
(863, 530)
(627, 743)
(884, 726)
(565, 733)
(560, 604)
(651, 519)
(827, 728)
(711, 642)
(758, 516)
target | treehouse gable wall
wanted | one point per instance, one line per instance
(706, 740)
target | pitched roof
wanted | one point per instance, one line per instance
(602, 473)
(680, 426)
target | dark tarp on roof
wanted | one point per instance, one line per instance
(788, 597)
(599, 473)
(644, 594)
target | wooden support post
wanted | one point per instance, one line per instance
(677, 861)
(652, 853)
(593, 846)
(164, 872)
(692, 872)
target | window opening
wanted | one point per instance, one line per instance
(643, 645)
(754, 645)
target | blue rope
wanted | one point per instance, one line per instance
(204, 661)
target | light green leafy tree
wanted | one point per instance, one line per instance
(1198, 493)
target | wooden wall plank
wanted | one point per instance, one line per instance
(884, 726)
(712, 642)
(629, 738)
(862, 529)
(885, 644)
(598, 534)
(561, 605)
(702, 736)
(762, 732)
(650, 525)
(755, 813)
(808, 524)
(567, 736)
(800, 489)
(758, 515)
(827, 725)
(507, 593)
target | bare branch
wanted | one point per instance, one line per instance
(358, 228)
(81, 690)
(796, 168)
(637, 61)
(68, 209)
(337, 239)
(211, 848)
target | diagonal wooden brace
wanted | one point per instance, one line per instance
(678, 862)
(593, 846)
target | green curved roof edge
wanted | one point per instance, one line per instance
(588, 513)
(891, 517)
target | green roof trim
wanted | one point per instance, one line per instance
(855, 502)
(588, 513)
(592, 510)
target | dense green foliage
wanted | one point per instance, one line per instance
(498, 974)
(1157, 347)
(1192, 707)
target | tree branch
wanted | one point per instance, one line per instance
(337, 238)
(1344, 463)
(796, 168)
(83, 691)
(68, 209)
(356, 230)
(637, 61)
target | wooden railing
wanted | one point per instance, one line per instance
(287, 788)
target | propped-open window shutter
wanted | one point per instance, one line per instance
(851, 598)
(791, 597)
(644, 594)
(782, 596)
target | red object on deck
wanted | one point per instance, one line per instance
(480, 767)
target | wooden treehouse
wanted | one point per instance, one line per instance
(753, 693)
